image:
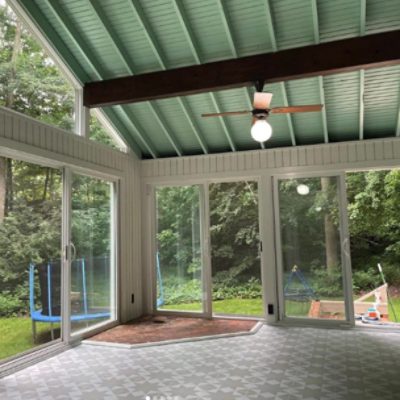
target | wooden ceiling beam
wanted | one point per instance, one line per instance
(346, 55)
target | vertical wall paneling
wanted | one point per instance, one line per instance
(387, 150)
(347, 155)
(396, 150)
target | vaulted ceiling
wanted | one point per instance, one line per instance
(103, 39)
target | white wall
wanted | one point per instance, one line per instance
(25, 138)
(346, 155)
(261, 165)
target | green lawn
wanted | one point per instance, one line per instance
(396, 306)
(254, 307)
(16, 335)
(251, 307)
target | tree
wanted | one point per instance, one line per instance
(329, 191)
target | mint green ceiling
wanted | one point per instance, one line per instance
(102, 39)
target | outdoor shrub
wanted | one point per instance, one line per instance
(179, 291)
(365, 280)
(252, 289)
(11, 305)
(392, 274)
(327, 283)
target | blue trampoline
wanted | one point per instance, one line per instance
(160, 297)
(49, 276)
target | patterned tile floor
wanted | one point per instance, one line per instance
(275, 363)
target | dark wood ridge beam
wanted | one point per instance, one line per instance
(369, 51)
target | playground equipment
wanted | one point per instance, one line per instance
(362, 308)
(160, 297)
(368, 311)
(50, 295)
(303, 293)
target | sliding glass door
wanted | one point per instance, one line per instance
(235, 258)
(178, 256)
(92, 266)
(313, 248)
(30, 251)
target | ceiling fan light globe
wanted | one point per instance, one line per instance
(261, 131)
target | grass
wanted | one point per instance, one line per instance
(396, 306)
(254, 307)
(16, 335)
(251, 307)
(229, 306)
(16, 332)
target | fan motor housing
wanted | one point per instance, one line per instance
(260, 113)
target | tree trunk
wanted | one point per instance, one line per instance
(9, 186)
(3, 186)
(13, 64)
(6, 164)
(46, 184)
(331, 239)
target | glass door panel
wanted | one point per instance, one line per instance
(92, 293)
(179, 256)
(30, 247)
(235, 260)
(310, 237)
(374, 218)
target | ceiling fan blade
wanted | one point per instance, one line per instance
(297, 109)
(227, 113)
(262, 100)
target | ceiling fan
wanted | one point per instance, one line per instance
(261, 130)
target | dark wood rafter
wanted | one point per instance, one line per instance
(346, 55)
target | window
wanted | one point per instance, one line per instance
(30, 82)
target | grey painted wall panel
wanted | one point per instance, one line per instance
(347, 155)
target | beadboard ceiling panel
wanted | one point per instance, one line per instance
(104, 39)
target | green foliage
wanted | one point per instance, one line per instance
(99, 134)
(374, 214)
(178, 234)
(303, 219)
(177, 291)
(32, 84)
(327, 284)
(12, 304)
(235, 240)
(251, 289)
(366, 280)
(29, 81)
